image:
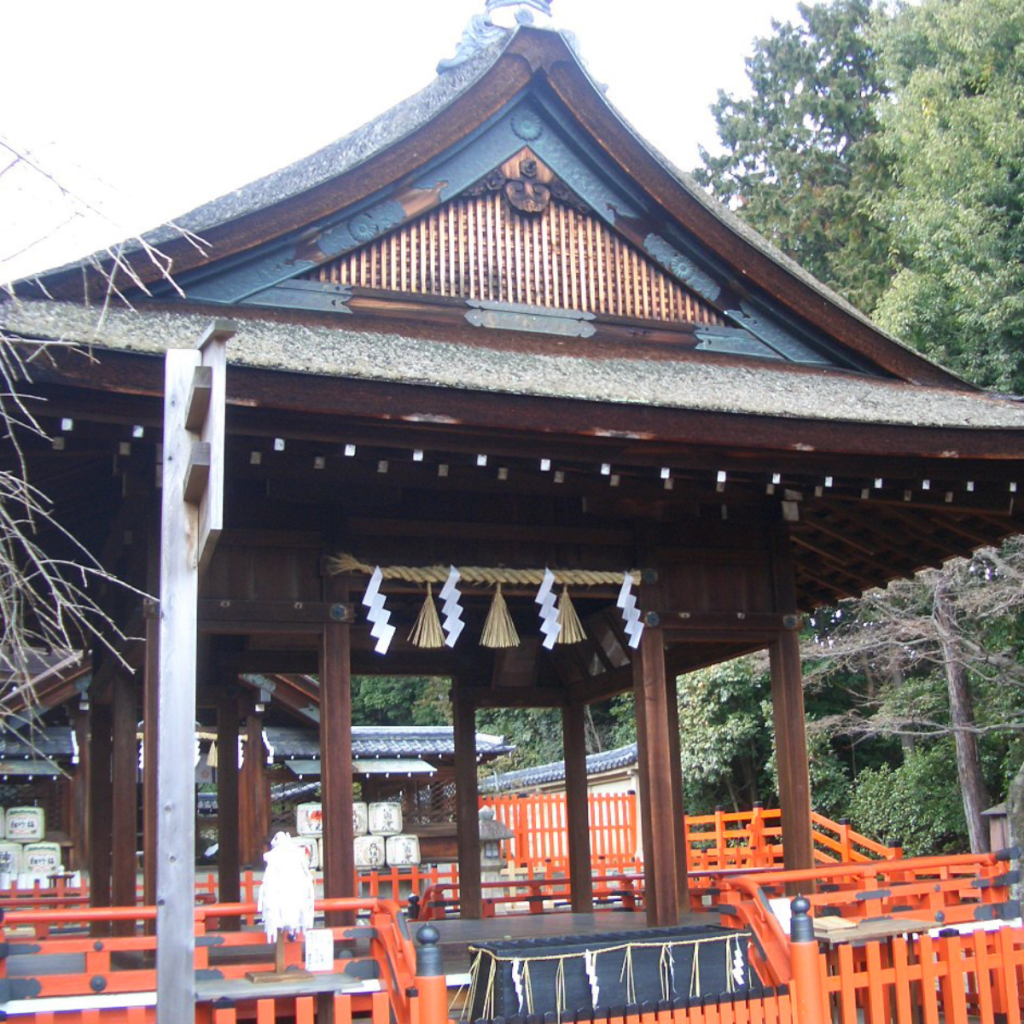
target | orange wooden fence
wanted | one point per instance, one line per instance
(118, 980)
(725, 839)
(948, 954)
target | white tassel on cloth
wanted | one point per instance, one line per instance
(286, 894)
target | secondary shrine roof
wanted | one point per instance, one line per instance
(539, 775)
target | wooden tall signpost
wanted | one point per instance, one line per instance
(192, 518)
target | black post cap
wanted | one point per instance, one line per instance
(801, 927)
(428, 953)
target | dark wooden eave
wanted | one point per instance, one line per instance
(849, 534)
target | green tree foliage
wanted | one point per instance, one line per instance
(401, 700)
(915, 804)
(955, 136)
(725, 736)
(801, 161)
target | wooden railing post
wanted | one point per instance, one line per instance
(846, 847)
(758, 855)
(809, 999)
(431, 984)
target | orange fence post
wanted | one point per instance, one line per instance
(758, 854)
(805, 959)
(431, 984)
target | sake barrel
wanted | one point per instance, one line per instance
(385, 819)
(41, 858)
(370, 852)
(10, 858)
(403, 851)
(312, 848)
(360, 820)
(25, 824)
(309, 819)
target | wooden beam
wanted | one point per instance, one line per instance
(467, 815)
(199, 398)
(124, 768)
(545, 534)
(245, 617)
(197, 472)
(788, 717)
(577, 810)
(179, 583)
(254, 831)
(79, 824)
(150, 747)
(100, 805)
(299, 661)
(654, 748)
(336, 761)
(678, 804)
(229, 864)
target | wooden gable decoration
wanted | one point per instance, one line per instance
(521, 236)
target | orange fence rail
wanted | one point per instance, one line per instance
(923, 940)
(531, 896)
(51, 955)
(725, 839)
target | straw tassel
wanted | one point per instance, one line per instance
(427, 630)
(499, 629)
(572, 629)
(211, 755)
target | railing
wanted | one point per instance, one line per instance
(924, 939)
(113, 977)
(531, 896)
(725, 839)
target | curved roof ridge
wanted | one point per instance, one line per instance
(343, 153)
(738, 226)
(337, 157)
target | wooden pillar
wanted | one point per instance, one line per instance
(336, 760)
(577, 808)
(100, 823)
(467, 814)
(80, 792)
(678, 803)
(150, 731)
(791, 752)
(654, 749)
(124, 771)
(788, 715)
(254, 831)
(229, 865)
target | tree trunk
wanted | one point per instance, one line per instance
(961, 710)
(1015, 818)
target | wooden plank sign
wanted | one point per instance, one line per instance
(206, 417)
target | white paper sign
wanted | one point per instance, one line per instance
(319, 949)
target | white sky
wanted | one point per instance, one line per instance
(144, 110)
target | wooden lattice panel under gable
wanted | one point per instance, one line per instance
(480, 246)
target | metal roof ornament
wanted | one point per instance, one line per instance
(523, 9)
(482, 31)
